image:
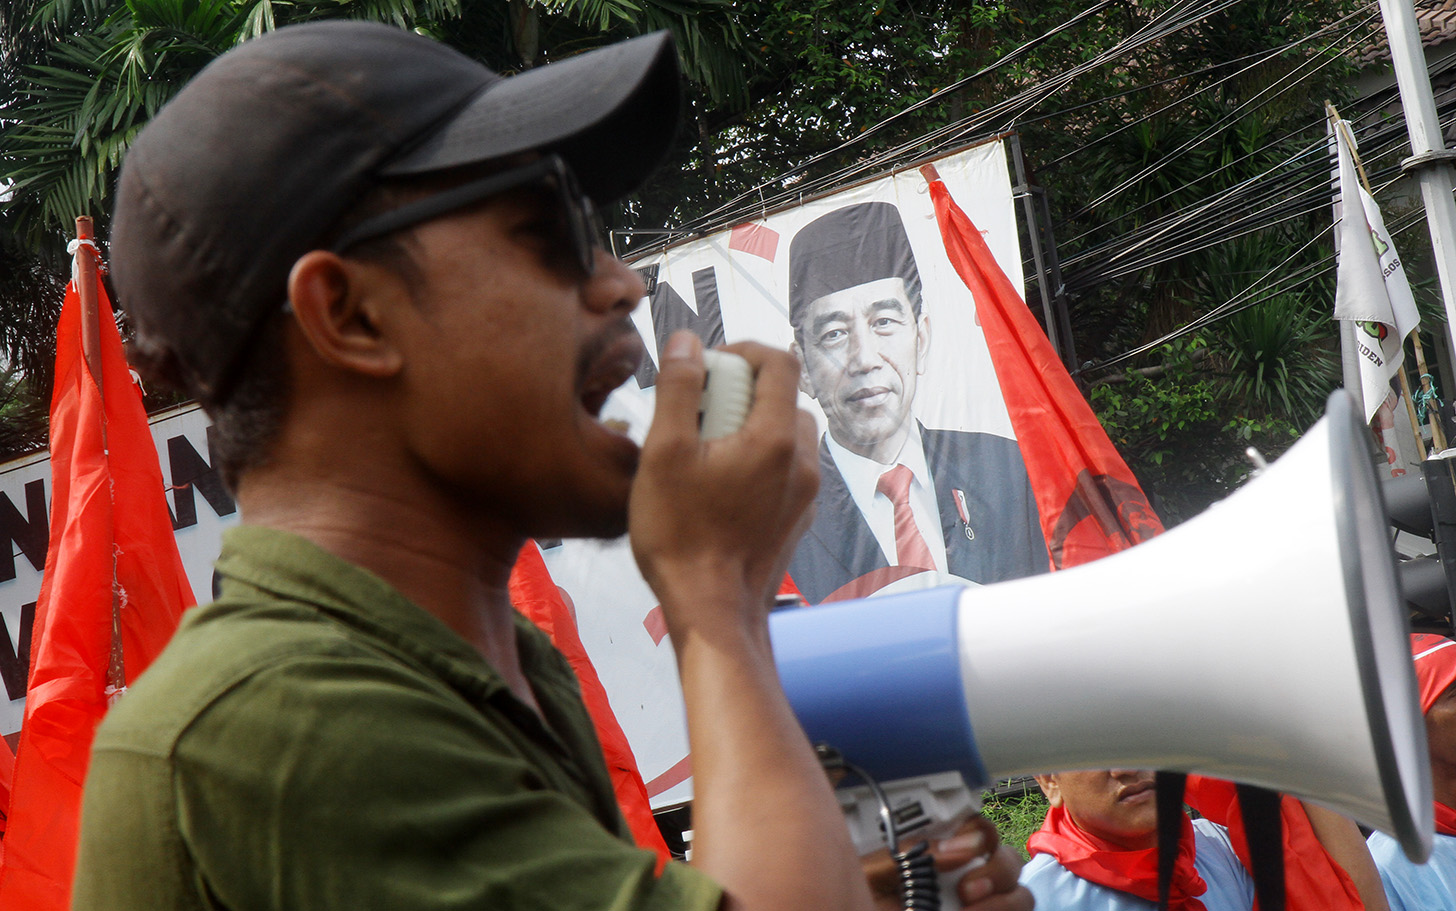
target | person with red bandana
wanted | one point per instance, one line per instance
(1430, 886)
(1097, 850)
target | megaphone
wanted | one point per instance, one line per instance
(1264, 642)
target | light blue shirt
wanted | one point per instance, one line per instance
(1229, 887)
(1430, 886)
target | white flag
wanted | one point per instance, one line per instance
(1371, 289)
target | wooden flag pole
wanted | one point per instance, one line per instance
(1438, 437)
(85, 272)
(1410, 409)
(86, 275)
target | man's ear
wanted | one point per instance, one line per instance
(335, 303)
(1050, 787)
(804, 385)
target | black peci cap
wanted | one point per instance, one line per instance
(242, 172)
(851, 245)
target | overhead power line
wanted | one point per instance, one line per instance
(797, 183)
(1292, 188)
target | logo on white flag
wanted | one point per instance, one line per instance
(1371, 288)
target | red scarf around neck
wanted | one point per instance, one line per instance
(1445, 819)
(1132, 871)
(1313, 880)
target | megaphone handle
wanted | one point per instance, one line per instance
(949, 881)
(931, 807)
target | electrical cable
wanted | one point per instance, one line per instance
(1285, 192)
(915, 868)
(1006, 111)
(1206, 175)
(1245, 300)
(958, 131)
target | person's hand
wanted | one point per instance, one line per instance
(712, 523)
(989, 886)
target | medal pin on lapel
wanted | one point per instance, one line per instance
(960, 501)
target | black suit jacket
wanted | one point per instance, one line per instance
(1002, 540)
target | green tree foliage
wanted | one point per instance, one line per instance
(1183, 429)
(78, 80)
(22, 415)
(1161, 136)
(81, 81)
(1183, 163)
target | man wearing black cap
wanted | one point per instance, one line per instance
(373, 261)
(895, 498)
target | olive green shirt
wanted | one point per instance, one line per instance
(313, 740)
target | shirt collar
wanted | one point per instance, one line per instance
(862, 475)
(294, 568)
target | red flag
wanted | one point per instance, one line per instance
(7, 774)
(111, 541)
(536, 596)
(1089, 501)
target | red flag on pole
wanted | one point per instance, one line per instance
(1090, 503)
(536, 596)
(112, 594)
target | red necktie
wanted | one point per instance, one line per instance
(910, 547)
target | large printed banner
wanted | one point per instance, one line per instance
(922, 480)
(200, 507)
(896, 369)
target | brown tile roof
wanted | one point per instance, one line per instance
(1437, 19)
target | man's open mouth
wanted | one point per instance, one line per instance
(608, 366)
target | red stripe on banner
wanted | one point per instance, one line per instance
(655, 624)
(787, 588)
(760, 240)
(681, 771)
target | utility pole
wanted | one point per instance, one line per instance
(1430, 160)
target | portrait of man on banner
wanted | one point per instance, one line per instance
(919, 390)
(897, 499)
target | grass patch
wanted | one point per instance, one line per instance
(1016, 816)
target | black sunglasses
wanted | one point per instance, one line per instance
(584, 225)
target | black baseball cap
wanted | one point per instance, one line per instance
(244, 170)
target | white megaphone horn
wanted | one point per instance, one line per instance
(1265, 641)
